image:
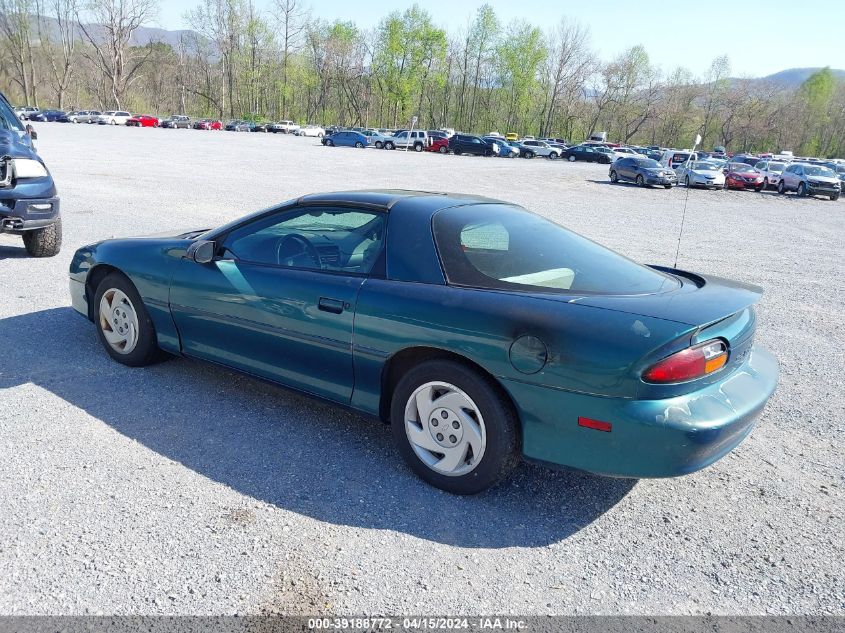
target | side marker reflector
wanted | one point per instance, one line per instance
(596, 425)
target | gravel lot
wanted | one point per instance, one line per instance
(187, 489)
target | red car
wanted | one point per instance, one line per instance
(440, 145)
(208, 124)
(741, 176)
(143, 120)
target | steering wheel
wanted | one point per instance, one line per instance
(293, 247)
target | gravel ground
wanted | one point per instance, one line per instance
(187, 489)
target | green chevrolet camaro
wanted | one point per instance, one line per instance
(481, 332)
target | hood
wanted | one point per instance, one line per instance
(825, 179)
(17, 144)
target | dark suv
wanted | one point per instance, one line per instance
(466, 144)
(29, 206)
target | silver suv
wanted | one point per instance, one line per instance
(416, 140)
(810, 180)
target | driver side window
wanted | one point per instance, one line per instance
(341, 240)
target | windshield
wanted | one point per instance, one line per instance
(777, 167)
(703, 166)
(647, 163)
(499, 246)
(813, 170)
(742, 167)
(8, 119)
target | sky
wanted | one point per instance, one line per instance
(760, 38)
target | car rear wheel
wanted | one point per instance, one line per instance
(640, 181)
(359, 145)
(123, 324)
(553, 156)
(443, 150)
(379, 144)
(418, 147)
(453, 427)
(46, 242)
(614, 177)
(802, 190)
(529, 155)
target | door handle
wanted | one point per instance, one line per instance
(335, 306)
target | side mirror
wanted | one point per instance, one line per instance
(31, 132)
(202, 252)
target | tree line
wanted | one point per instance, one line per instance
(484, 75)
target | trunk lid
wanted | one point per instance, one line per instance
(698, 301)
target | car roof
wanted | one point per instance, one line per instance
(390, 199)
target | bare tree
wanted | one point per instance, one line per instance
(292, 18)
(16, 27)
(108, 27)
(57, 32)
(570, 63)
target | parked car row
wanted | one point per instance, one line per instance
(804, 178)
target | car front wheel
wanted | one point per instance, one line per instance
(389, 145)
(802, 190)
(571, 159)
(640, 181)
(123, 324)
(781, 188)
(359, 145)
(453, 427)
(329, 142)
(614, 177)
(46, 242)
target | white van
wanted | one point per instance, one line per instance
(672, 158)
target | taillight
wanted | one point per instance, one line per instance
(689, 364)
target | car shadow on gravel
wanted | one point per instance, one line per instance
(288, 450)
(12, 252)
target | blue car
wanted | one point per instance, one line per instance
(506, 150)
(346, 138)
(482, 333)
(50, 116)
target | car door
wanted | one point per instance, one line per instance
(278, 299)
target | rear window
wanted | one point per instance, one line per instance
(501, 247)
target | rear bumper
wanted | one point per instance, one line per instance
(649, 438)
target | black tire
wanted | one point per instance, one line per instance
(418, 147)
(572, 158)
(553, 156)
(46, 242)
(389, 145)
(614, 177)
(379, 145)
(640, 181)
(443, 150)
(529, 155)
(802, 190)
(329, 142)
(146, 350)
(834, 197)
(759, 189)
(458, 151)
(781, 188)
(502, 451)
(488, 153)
(668, 186)
(686, 181)
(359, 145)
